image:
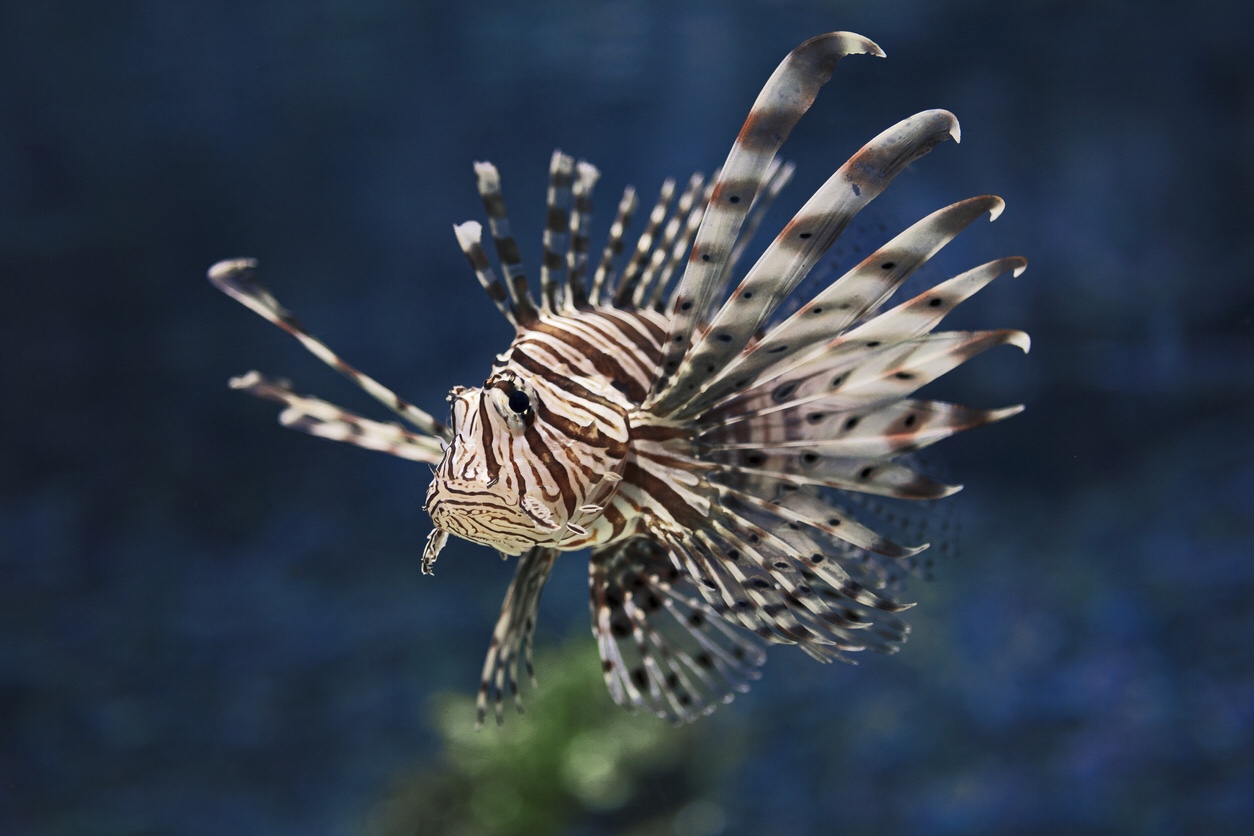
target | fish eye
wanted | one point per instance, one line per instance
(519, 402)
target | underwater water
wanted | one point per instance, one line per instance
(210, 624)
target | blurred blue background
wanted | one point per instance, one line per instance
(209, 624)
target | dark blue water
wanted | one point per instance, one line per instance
(209, 624)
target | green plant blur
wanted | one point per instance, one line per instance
(574, 759)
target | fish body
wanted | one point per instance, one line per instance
(703, 448)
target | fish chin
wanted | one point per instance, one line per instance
(475, 512)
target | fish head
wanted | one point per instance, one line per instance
(532, 462)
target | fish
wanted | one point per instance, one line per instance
(661, 411)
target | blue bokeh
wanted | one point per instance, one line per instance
(212, 625)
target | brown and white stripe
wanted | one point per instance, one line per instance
(586, 176)
(853, 296)
(788, 94)
(556, 239)
(236, 278)
(801, 244)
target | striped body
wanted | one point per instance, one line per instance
(707, 450)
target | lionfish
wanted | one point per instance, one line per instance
(706, 452)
